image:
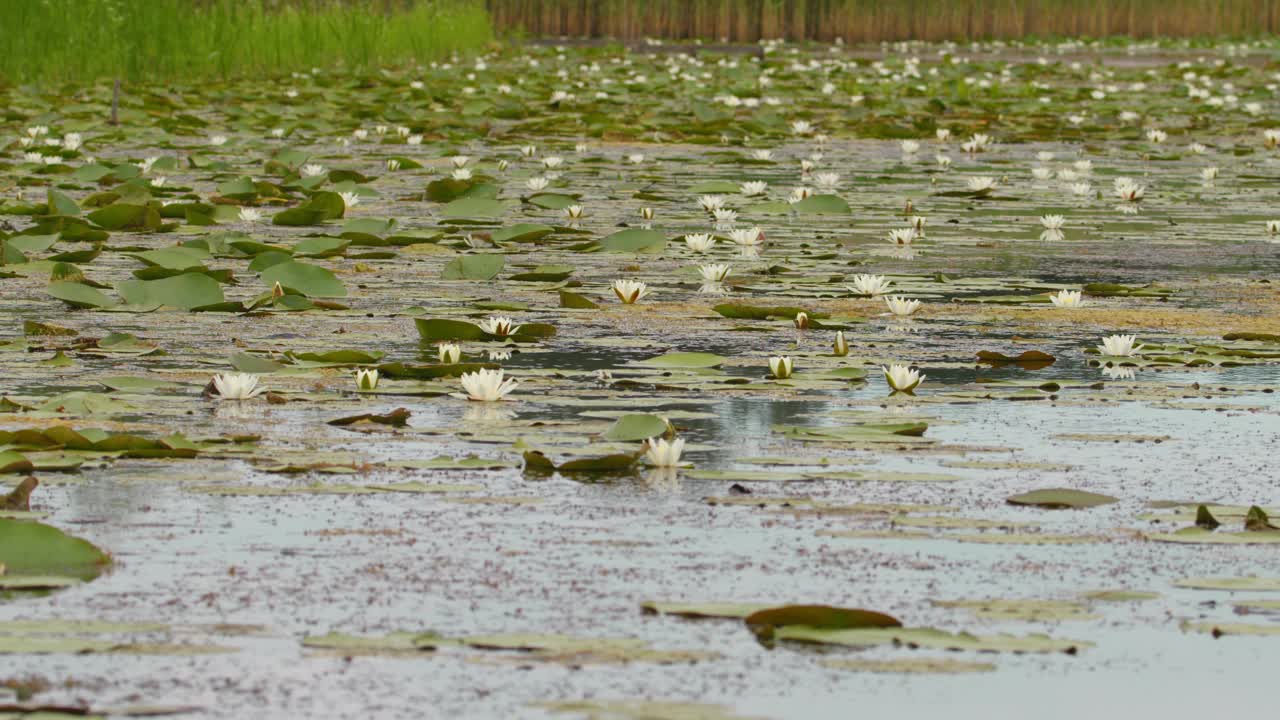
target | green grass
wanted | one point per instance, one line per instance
(84, 40)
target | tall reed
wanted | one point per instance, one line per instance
(57, 40)
(878, 20)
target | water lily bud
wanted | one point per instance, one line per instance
(366, 379)
(450, 353)
(802, 321)
(277, 290)
(780, 367)
(841, 346)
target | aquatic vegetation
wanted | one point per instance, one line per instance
(237, 386)
(676, 292)
(487, 385)
(902, 378)
(663, 453)
(1119, 345)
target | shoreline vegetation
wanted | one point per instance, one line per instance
(862, 21)
(162, 40)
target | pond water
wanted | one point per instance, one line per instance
(289, 567)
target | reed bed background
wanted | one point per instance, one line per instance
(880, 20)
(75, 40)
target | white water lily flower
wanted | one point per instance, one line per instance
(366, 378)
(917, 223)
(1041, 173)
(529, 150)
(72, 141)
(1157, 136)
(499, 355)
(581, 148)
(403, 131)
(537, 184)
(910, 147)
(711, 203)
(902, 236)
(646, 213)
(840, 347)
(806, 167)
(902, 378)
(747, 237)
(970, 146)
(350, 199)
(801, 127)
(869, 285)
(33, 157)
(146, 164)
(1083, 167)
(552, 162)
(901, 306)
(762, 155)
(217, 140)
(943, 134)
(250, 215)
(724, 215)
(499, 325)
(753, 188)
(714, 272)
(393, 164)
(827, 180)
(1209, 174)
(1067, 299)
(798, 194)
(663, 453)
(1044, 156)
(629, 292)
(360, 133)
(312, 170)
(414, 140)
(1273, 227)
(449, 353)
(780, 366)
(1129, 192)
(699, 242)
(944, 161)
(36, 131)
(1068, 175)
(1197, 149)
(237, 386)
(981, 184)
(459, 160)
(461, 174)
(575, 212)
(1080, 189)
(486, 385)
(1119, 345)
(1052, 222)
